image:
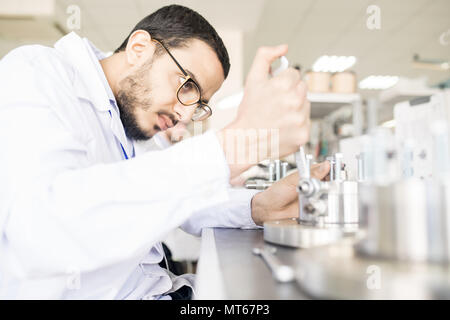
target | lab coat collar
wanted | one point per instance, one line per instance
(88, 83)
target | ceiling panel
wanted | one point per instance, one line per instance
(310, 27)
(231, 14)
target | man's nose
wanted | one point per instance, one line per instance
(184, 113)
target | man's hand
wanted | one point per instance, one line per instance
(276, 104)
(280, 201)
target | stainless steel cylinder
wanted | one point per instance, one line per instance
(407, 220)
(331, 202)
(342, 203)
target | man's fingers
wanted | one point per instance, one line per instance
(291, 77)
(306, 109)
(261, 64)
(320, 170)
(302, 90)
(291, 179)
(290, 211)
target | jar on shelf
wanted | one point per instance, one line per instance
(343, 82)
(318, 82)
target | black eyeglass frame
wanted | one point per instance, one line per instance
(201, 105)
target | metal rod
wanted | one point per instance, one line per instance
(280, 271)
(277, 170)
(309, 158)
(271, 171)
(300, 159)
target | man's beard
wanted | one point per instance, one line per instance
(130, 97)
(125, 102)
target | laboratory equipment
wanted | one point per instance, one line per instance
(404, 207)
(413, 121)
(276, 170)
(328, 210)
(280, 271)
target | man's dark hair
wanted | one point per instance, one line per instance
(175, 25)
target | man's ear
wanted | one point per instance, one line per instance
(139, 47)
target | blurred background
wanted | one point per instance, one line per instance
(408, 40)
(359, 58)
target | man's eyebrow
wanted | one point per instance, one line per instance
(196, 81)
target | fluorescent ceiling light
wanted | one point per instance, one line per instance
(378, 82)
(333, 63)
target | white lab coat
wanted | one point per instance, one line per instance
(76, 219)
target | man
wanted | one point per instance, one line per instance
(80, 216)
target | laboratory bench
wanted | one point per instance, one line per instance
(228, 269)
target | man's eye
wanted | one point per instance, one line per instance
(188, 86)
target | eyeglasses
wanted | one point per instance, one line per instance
(188, 92)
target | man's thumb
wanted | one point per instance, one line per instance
(265, 56)
(322, 170)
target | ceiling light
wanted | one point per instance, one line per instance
(333, 63)
(378, 82)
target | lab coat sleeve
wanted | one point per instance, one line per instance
(60, 207)
(58, 212)
(235, 213)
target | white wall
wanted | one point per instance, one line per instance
(233, 40)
